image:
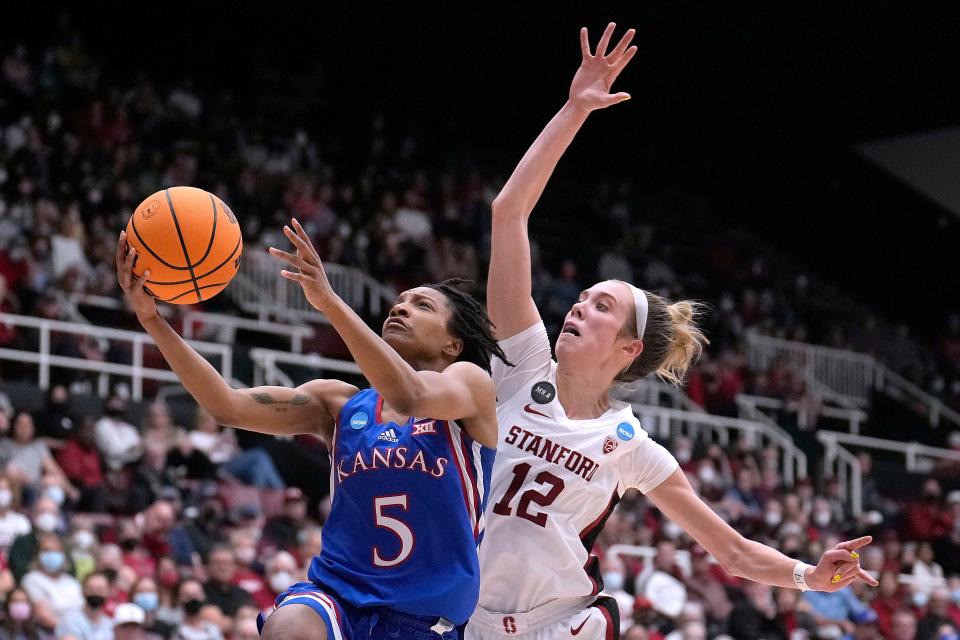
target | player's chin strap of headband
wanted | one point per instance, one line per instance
(641, 306)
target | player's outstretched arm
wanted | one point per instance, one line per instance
(837, 568)
(309, 408)
(463, 391)
(509, 286)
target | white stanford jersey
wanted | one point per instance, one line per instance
(555, 482)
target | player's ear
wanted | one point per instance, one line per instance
(453, 348)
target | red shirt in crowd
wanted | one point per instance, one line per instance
(82, 465)
(254, 584)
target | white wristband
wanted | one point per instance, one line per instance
(799, 576)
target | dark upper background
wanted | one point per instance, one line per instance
(751, 107)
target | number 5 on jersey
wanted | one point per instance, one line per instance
(397, 527)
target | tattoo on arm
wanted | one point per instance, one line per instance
(280, 406)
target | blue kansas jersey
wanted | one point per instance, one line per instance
(407, 513)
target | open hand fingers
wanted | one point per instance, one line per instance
(585, 44)
(620, 64)
(121, 248)
(306, 252)
(605, 40)
(295, 261)
(622, 45)
(306, 238)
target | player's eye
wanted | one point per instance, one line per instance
(424, 305)
(601, 306)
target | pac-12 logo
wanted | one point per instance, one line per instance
(609, 444)
(625, 431)
(359, 420)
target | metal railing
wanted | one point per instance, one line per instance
(849, 375)
(753, 406)
(136, 372)
(267, 366)
(653, 392)
(259, 289)
(225, 328)
(668, 423)
(840, 462)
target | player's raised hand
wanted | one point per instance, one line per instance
(142, 303)
(310, 274)
(840, 566)
(590, 89)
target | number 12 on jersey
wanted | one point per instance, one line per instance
(538, 497)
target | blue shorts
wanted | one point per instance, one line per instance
(346, 622)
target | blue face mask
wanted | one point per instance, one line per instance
(148, 601)
(51, 561)
(919, 599)
(956, 596)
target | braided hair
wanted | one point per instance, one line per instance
(469, 322)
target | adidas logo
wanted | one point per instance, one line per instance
(388, 436)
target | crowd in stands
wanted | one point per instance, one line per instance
(111, 529)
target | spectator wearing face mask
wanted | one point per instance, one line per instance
(145, 594)
(134, 555)
(168, 584)
(89, 622)
(19, 623)
(192, 600)
(12, 523)
(282, 572)
(246, 576)
(55, 592)
(46, 519)
(891, 598)
(245, 628)
(83, 546)
(55, 423)
(923, 519)
(925, 570)
(221, 589)
(704, 587)
(29, 459)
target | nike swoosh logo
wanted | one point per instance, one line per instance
(529, 409)
(577, 631)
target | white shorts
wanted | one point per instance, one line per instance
(598, 621)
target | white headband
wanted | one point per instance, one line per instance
(640, 304)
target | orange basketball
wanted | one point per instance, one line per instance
(190, 242)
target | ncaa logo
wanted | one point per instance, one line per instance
(625, 431)
(359, 420)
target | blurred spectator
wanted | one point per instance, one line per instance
(245, 628)
(838, 609)
(19, 622)
(253, 466)
(890, 599)
(168, 614)
(80, 461)
(54, 592)
(281, 530)
(12, 522)
(55, 423)
(129, 622)
(704, 587)
(936, 616)
(29, 458)
(221, 589)
(247, 575)
(904, 625)
(755, 617)
(923, 519)
(282, 572)
(135, 555)
(191, 600)
(46, 519)
(311, 544)
(925, 570)
(118, 440)
(89, 622)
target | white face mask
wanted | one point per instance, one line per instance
(772, 518)
(246, 555)
(55, 493)
(280, 581)
(821, 518)
(613, 580)
(47, 522)
(683, 455)
(6, 498)
(83, 539)
(707, 474)
(671, 529)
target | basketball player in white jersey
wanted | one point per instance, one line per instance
(567, 451)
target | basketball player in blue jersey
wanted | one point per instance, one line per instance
(411, 457)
